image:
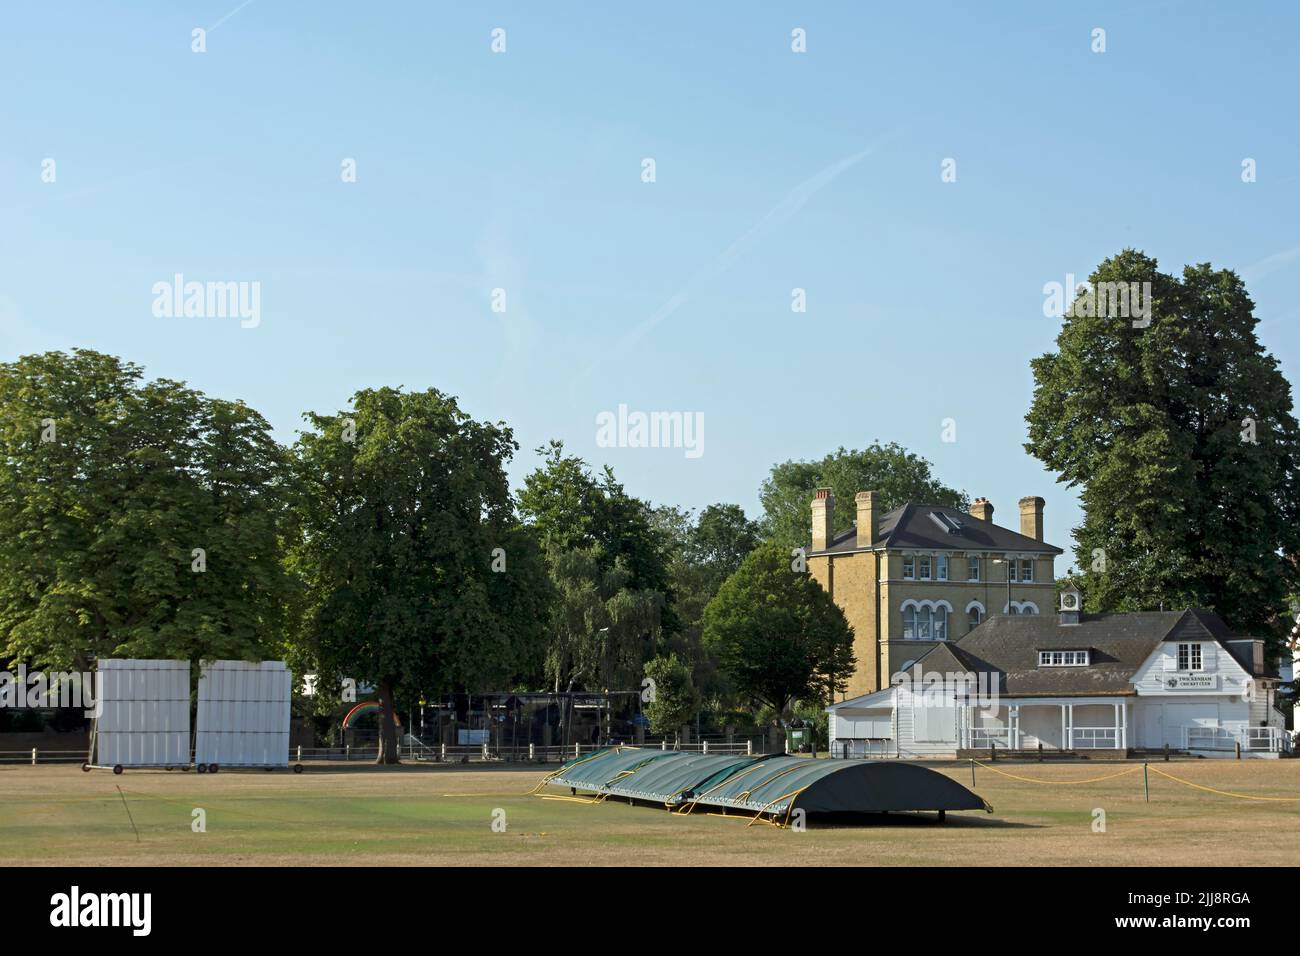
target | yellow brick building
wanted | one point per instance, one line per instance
(923, 573)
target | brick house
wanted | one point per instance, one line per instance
(923, 573)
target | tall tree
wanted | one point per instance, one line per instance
(899, 475)
(1177, 426)
(609, 571)
(568, 507)
(136, 518)
(777, 633)
(702, 553)
(673, 698)
(719, 542)
(420, 579)
(601, 630)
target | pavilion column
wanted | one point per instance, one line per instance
(1069, 709)
(1063, 725)
(1119, 730)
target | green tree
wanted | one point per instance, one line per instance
(777, 634)
(719, 542)
(1177, 427)
(702, 553)
(420, 579)
(601, 629)
(673, 699)
(890, 469)
(568, 507)
(609, 570)
(137, 518)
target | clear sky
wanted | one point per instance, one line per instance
(522, 171)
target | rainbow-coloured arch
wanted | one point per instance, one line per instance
(364, 708)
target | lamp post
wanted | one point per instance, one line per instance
(1007, 562)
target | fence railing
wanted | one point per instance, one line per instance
(861, 749)
(1084, 738)
(419, 752)
(36, 755)
(981, 738)
(1094, 738)
(1266, 739)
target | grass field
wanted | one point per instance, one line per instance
(334, 814)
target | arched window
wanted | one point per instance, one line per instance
(909, 623)
(1013, 609)
(976, 615)
(923, 624)
(941, 623)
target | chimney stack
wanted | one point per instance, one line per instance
(1031, 517)
(982, 508)
(823, 518)
(868, 503)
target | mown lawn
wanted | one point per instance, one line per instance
(443, 815)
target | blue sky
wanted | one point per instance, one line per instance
(522, 171)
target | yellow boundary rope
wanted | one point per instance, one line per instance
(555, 773)
(1170, 776)
(1225, 793)
(568, 799)
(763, 783)
(1058, 783)
(792, 794)
(722, 783)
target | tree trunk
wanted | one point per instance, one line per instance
(387, 723)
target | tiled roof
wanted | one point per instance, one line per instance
(939, 528)
(1119, 644)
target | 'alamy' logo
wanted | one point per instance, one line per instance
(651, 430)
(1108, 300)
(41, 690)
(179, 299)
(103, 909)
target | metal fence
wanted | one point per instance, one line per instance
(36, 755)
(417, 752)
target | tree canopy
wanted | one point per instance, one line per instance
(1181, 436)
(419, 578)
(137, 518)
(673, 698)
(778, 635)
(897, 474)
(609, 571)
(703, 551)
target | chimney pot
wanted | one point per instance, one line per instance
(823, 518)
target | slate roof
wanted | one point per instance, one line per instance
(913, 527)
(1119, 644)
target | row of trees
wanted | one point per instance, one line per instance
(143, 518)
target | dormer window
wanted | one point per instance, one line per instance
(1063, 658)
